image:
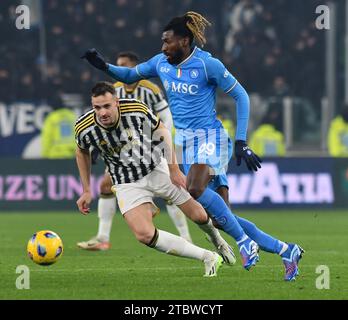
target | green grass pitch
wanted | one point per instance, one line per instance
(132, 271)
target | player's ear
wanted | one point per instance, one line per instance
(117, 101)
(184, 41)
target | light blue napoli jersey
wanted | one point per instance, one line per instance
(191, 87)
(191, 91)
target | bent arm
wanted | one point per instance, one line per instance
(221, 77)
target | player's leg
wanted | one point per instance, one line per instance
(106, 208)
(139, 220)
(198, 177)
(179, 221)
(195, 212)
(265, 241)
(106, 212)
(163, 187)
(290, 253)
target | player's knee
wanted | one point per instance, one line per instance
(195, 191)
(105, 190)
(200, 218)
(196, 212)
(144, 236)
(105, 187)
(200, 215)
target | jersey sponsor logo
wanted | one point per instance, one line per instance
(194, 73)
(182, 87)
(164, 69)
(226, 73)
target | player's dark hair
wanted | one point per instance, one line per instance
(132, 56)
(102, 88)
(191, 25)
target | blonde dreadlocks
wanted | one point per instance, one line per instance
(197, 24)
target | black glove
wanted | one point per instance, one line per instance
(242, 150)
(95, 59)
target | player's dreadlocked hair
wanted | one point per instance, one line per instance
(191, 25)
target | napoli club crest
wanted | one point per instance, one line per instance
(194, 73)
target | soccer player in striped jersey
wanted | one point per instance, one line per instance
(138, 152)
(191, 77)
(151, 95)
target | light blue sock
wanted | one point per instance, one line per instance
(264, 240)
(217, 208)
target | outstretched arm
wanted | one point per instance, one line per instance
(123, 74)
(127, 75)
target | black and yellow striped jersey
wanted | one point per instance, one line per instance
(145, 91)
(128, 148)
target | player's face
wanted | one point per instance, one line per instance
(125, 62)
(173, 47)
(106, 109)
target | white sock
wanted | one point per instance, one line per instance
(213, 233)
(175, 245)
(179, 220)
(106, 212)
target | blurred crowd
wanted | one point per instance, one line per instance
(272, 47)
(275, 48)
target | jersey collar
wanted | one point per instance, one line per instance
(188, 58)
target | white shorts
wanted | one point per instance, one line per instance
(155, 184)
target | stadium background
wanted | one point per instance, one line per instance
(277, 53)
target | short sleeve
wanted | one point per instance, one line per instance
(154, 120)
(80, 139)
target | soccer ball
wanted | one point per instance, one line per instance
(45, 247)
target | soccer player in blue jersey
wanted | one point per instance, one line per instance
(190, 77)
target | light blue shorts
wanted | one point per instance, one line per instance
(216, 152)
